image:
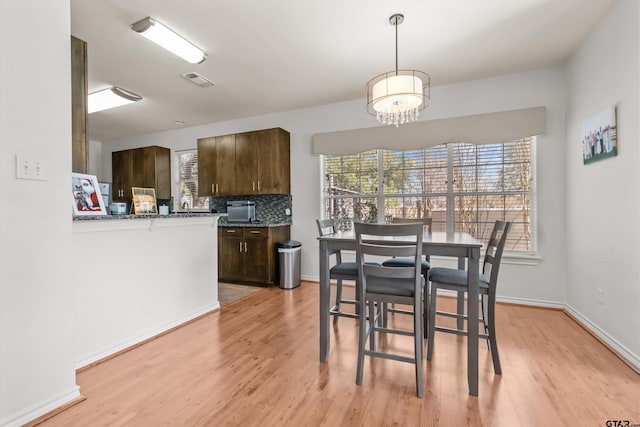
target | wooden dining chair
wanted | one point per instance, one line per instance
(404, 262)
(456, 280)
(381, 284)
(340, 271)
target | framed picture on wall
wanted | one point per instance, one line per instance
(599, 136)
(87, 199)
(144, 201)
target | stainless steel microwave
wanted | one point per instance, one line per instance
(241, 211)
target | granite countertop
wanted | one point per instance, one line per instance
(223, 223)
(173, 215)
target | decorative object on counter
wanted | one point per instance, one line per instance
(270, 208)
(144, 201)
(87, 199)
(105, 190)
(118, 208)
(164, 206)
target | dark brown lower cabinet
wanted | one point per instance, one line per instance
(249, 254)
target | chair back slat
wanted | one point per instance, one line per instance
(378, 240)
(495, 248)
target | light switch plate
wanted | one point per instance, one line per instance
(30, 168)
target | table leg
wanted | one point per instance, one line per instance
(472, 324)
(324, 301)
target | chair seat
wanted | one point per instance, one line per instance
(345, 269)
(400, 287)
(406, 262)
(454, 277)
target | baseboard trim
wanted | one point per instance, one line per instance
(55, 412)
(45, 410)
(114, 352)
(626, 355)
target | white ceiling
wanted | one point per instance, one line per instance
(278, 55)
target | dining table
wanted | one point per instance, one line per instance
(460, 245)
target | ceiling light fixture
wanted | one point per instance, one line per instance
(398, 96)
(169, 39)
(109, 98)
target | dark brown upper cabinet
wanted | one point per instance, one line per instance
(246, 163)
(147, 167)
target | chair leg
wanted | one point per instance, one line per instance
(373, 323)
(433, 294)
(484, 310)
(338, 299)
(417, 341)
(361, 343)
(492, 334)
(460, 310)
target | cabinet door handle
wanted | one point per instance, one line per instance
(258, 185)
(240, 246)
(231, 231)
(245, 247)
(254, 232)
(217, 189)
(213, 188)
(253, 186)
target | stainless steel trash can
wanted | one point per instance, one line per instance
(289, 257)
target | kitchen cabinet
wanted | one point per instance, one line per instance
(246, 163)
(249, 254)
(217, 166)
(147, 167)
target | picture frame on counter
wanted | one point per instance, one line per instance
(87, 198)
(144, 201)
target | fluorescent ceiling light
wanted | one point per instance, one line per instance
(169, 39)
(110, 98)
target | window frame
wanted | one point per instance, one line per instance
(528, 257)
(176, 184)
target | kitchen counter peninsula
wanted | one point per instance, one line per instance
(137, 276)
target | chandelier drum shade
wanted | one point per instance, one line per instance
(398, 96)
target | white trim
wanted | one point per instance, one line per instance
(620, 349)
(150, 334)
(41, 408)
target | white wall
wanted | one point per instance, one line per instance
(140, 287)
(544, 283)
(37, 371)
(603, 198)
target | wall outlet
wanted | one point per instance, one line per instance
(600, 296)
(287, 212)
(30, 168)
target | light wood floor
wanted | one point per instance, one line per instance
(255, 363)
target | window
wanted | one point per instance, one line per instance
(187, 183)
(461, 187)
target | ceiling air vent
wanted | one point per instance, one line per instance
(198, 79)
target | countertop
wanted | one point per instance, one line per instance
(223, 224)
(173, 215)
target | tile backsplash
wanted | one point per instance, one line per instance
(270, 208)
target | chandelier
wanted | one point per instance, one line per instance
(398, 96)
